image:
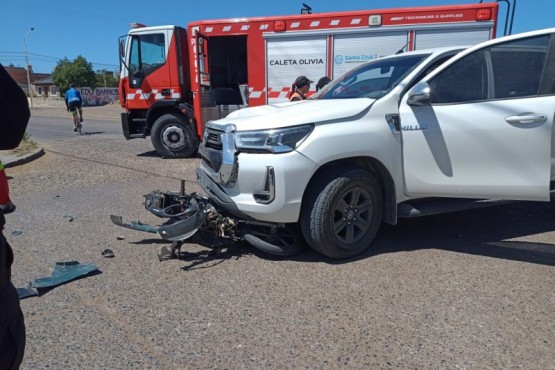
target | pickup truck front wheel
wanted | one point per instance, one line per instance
(172, 137)
(342, 212)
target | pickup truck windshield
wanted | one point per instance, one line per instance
(371, 80)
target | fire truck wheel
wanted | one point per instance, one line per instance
(172, 137)
(342, 212)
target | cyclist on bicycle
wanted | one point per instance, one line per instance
(73, 101)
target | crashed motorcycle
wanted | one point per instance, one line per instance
(195, 218)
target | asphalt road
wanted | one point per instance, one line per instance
(472, 290)
(52, 129)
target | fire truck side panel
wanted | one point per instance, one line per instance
(352, 49)
(330, 44)
(289, 57)
(427, 38)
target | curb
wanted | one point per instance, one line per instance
(12, 160)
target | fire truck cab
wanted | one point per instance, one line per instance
(174, 80)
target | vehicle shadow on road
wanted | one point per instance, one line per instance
(212, 256)
(485, 232)
(150, 241)
(151, 153)
(154, 154)
(91, 133)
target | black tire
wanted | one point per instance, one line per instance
(172, 137)
(277, 241)
(342, 212)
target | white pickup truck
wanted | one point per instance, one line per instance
(407, 135)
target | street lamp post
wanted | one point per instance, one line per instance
(27, 66)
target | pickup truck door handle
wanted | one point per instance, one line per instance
(525, 118)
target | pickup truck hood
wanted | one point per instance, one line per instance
(293, 113)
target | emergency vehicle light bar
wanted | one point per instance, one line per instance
(279, 26)
(483, 14)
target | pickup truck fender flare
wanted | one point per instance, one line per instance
(383, 175)
(390, 197)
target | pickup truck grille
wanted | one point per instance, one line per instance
(211, 149)
(213, 140)
(218, 154)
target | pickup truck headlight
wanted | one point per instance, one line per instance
(280, 140)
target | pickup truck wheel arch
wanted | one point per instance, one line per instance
(342, 212)
(173, 137)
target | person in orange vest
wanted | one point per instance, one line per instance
(300, 88)
(14, 113)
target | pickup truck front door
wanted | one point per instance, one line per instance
(481, 127)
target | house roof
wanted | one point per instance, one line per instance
(19, 74)
(44, 81)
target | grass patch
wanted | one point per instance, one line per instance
(26, 145)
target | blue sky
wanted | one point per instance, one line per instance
(91, 28)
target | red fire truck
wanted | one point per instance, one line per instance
(174, 80)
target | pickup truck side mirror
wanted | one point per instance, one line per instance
(419, 94)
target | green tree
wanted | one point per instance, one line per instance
(80, 72)
(105, 78)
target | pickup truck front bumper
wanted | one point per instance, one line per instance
(268, 187)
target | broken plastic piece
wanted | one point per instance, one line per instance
(63, 273)
(26, 292)
(108, 253)
(68, 218)
(183, 229)
(118, 220)
(166, 252)
(16, 232)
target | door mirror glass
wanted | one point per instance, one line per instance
(420, 94)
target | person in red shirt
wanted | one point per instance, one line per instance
(14, 110)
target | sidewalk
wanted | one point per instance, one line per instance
(18, 156)
(26, 153)
(108, 111)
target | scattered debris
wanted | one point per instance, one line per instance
(26, 292)
(135, 225)
(57, 196)
(16, 232)
(121, 237)
(69, 218)
(166, 252)
(64, 272)
(108, 253)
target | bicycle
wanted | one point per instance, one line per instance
(77, 120)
